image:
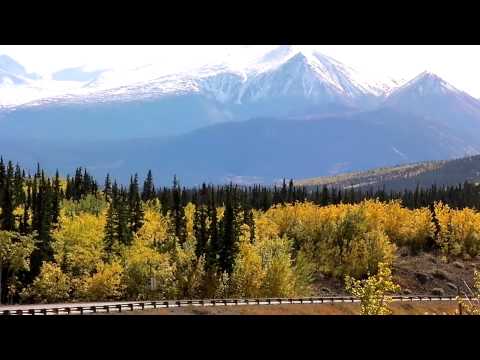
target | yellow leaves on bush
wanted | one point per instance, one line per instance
(459, 231)
(78, 243)
(248, 274)
(50, 286)
(265, 268)
(106, 284)
(148, 273)
(189, 270)
(155, 227)
(15, 250)
(373, 291)
(279, 271)
(403, 226)
(472, 307)
(338, 239)
(266, 228)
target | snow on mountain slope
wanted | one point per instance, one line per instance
(283, 71)
(434, 99)
(428, 90)
(312, 76)
(10, 66)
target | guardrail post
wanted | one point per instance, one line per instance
(6, 312)
(143, 306)
(44, 311)
(166, 303)
(119, 307)
(31, 312)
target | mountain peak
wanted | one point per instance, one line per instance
(426, 83)
(11, 66)
(429, 76)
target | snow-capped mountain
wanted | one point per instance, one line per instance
(76, 74)
(18, 87)
(9, 67)
(223, 120)
(430, 96)
(278, 73)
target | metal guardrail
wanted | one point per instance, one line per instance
(147, 305)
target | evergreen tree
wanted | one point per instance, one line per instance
(200, 223)
(230, 233)
(214, 244)
(148, 192)
(135, 206)
(18, 186)
(110, 225)
(122, 228)
(178, 213)
(107, 188)
(7, 218)
(56, 199)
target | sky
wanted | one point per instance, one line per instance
(457, 64)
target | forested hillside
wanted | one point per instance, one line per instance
(397, 178)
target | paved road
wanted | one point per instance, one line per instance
(84, 308)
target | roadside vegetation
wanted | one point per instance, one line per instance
(68, 240)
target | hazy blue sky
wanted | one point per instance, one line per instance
(457, 64)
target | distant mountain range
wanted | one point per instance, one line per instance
(290, 114)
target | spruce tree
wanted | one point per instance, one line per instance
(230, 233)
(178, 213)
(56, 199)
(107, 188)
(148, 192)
(200, 223)
(214, 244)
(110, 225)
(18, 186)
(135, 206)
(7, 218)
(122, 226)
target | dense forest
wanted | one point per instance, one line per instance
(66, 239)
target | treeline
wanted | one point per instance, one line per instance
(39, 198)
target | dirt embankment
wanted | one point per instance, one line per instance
(414, 308)
(424, 274)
